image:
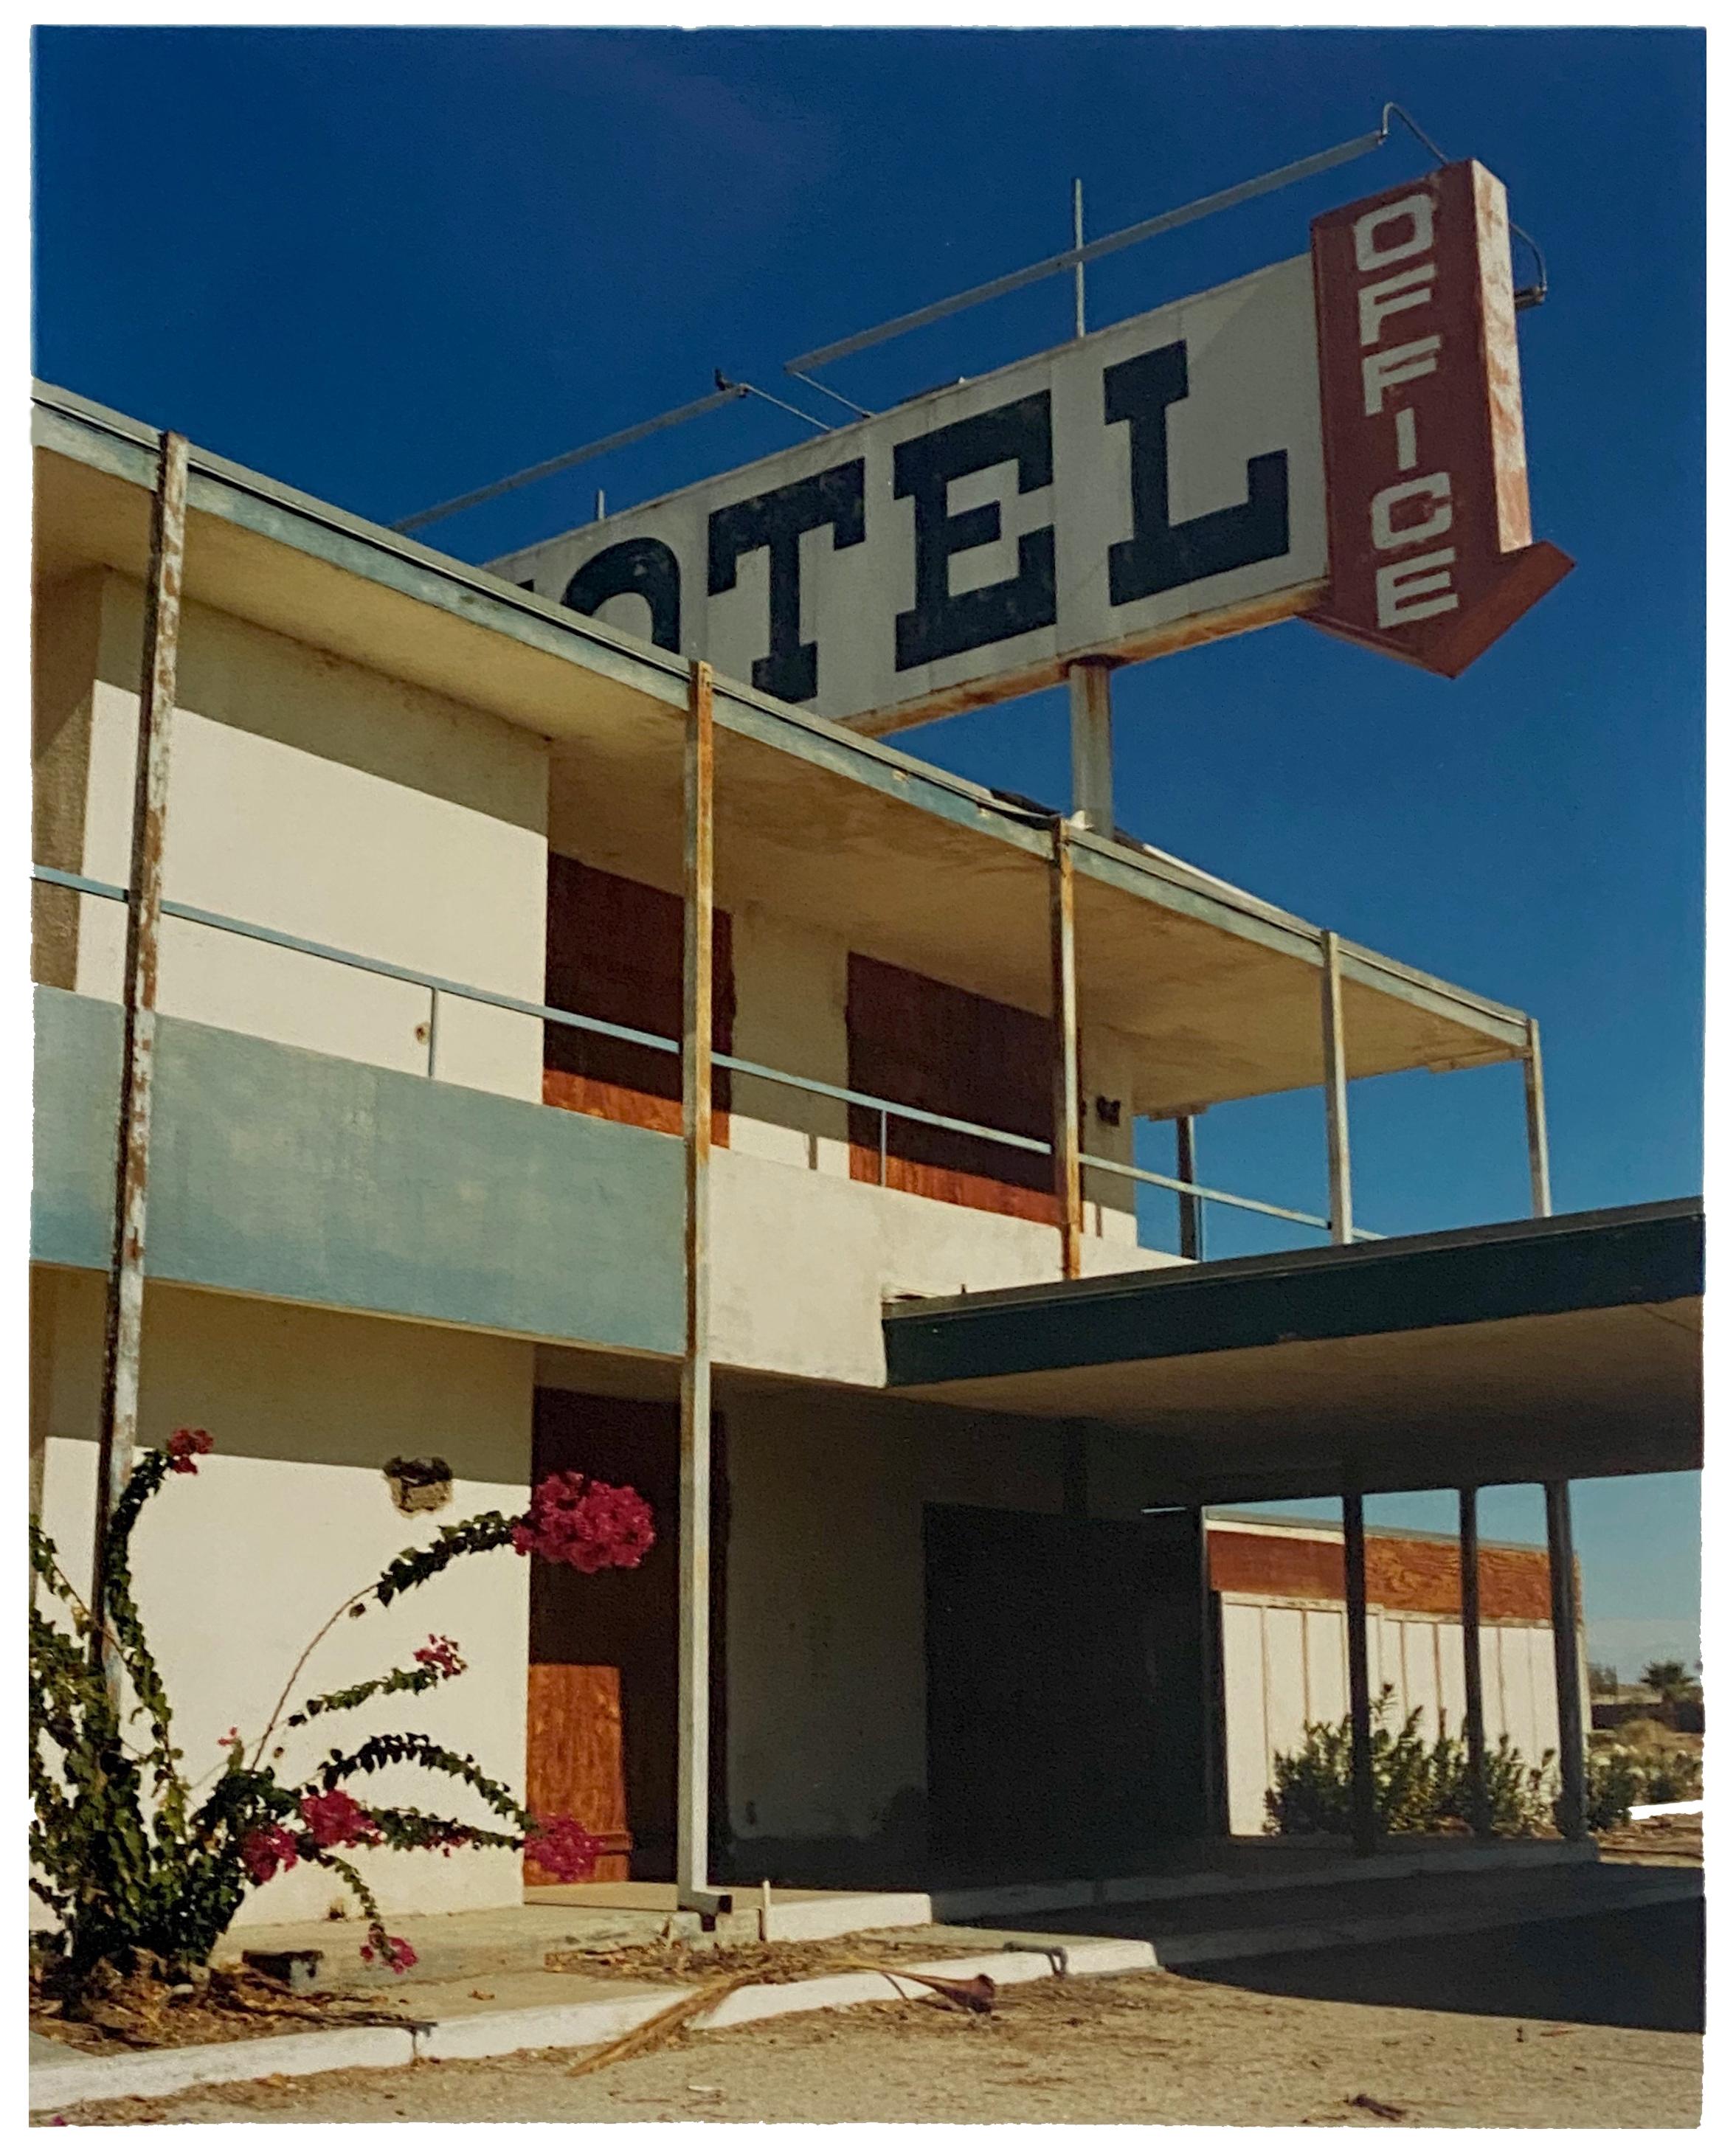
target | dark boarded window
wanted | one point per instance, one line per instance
(615, 953)
(923, 1043)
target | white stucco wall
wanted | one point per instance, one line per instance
(802, 1263)
(827, 1721)
(313, 796)
(1286, 1663)
(237, 1567)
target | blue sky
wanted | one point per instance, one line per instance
(387, 266)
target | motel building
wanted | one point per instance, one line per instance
(419, 1191)
(574, 1037)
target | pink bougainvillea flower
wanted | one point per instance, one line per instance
(227, 1741)
(586, 1524)
(268, 1849)
(337, 1819)
(185, 1447)
(395, 1951)
(563, 1848)
(441, 1653)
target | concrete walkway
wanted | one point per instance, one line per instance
(460, 2010)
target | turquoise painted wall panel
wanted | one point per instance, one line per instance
(305, 1177)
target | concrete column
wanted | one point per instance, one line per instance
(1563, 1616)
(1365, 1830)
(1088, 700)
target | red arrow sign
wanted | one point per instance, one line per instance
(1428, 511)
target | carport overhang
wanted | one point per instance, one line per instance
(1539, 1349)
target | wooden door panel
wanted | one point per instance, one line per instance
(574, 1766)
(923, 1043)
(625, 1621)
(615, 953)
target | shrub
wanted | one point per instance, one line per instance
(1418, 1786)
(1612, 1788)
(140, 1868)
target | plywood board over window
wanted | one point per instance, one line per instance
(923, 1043)
(615, 953)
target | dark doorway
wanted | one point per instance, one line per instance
(1065, 1691)
(613, 1635)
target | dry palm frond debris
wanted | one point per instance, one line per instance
(974, 1994)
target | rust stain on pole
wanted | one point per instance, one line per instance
(693, 1709)
(1065, 1004)
(1338, 1115)
(118, 1428)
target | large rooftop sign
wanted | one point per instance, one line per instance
(1339, 435)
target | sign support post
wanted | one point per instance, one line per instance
(1091, 713)
(692, 1827)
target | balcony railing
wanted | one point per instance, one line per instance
(887, 1112)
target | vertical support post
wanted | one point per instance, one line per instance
(1537, 1128)
(1211, 1679)
(1191, 1208)
(1063, 977)
(1364, 1830)
(1078, 314)
(1470, 1620)
(1565, 1622)
(693, 1708)
(1089, 708)
(1338, 1113)
(433, 1027)
(123, 1330)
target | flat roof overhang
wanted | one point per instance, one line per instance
(1216, 989)
(1537, 1349)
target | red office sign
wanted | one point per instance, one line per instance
(1427, 507)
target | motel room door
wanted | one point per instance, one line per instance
(1066, 1720)
(600, 1740)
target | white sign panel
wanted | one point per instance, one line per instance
(1152, 485)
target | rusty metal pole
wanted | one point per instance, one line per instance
(1190, 1211)
(1338, 1118)
(1565, 1623)
(1537, 1128)
(1365, 1825)
(1470, 1619)
(692, 1825)
(1064, 1006)
(118, 1424)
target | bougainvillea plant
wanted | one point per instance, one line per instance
(128, 1854)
